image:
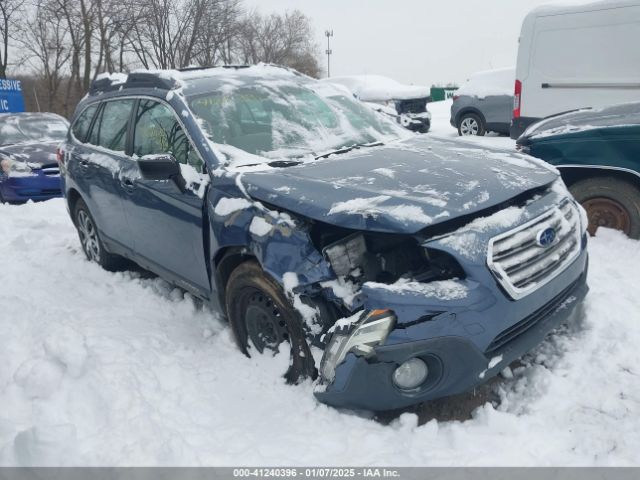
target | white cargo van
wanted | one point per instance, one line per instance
(577, 56)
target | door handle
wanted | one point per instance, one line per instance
(84, 162)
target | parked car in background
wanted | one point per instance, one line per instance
(28, 164)
(598, 154)
(484, 103)
(300, 214)
(407, 104)
(576, 56)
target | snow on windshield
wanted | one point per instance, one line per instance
(253, 119)
(18, 129)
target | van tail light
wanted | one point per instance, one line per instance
(455, 97)
(517, 99)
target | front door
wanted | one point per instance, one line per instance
(166, 222)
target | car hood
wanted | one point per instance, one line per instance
(401, 187)
(584, 120)
(39, 153)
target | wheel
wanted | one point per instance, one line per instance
(424, 128)
(90, 239)
(471, 124)
(609, 202)
(262, 318)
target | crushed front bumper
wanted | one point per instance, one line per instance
(457, 344)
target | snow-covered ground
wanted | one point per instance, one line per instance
(98, 368)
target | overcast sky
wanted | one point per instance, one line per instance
(414, 41)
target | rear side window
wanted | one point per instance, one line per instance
(158, 131)
(83, 122)
(110, 128)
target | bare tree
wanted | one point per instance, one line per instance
(67, 43)
(44, 38)
(10, 10)
(281, 39)
(218, 32)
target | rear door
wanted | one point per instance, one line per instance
(100, 166)
(167, 223)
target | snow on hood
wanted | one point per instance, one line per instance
(491, 82)
(622, 115)
(402, 187)
(41, 153)
(376, 88)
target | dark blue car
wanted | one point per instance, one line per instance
(28, 165)
(421, 267)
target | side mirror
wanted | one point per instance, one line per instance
(162, 167)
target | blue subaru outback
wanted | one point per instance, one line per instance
(394, 268)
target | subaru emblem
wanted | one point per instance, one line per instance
(546, 237)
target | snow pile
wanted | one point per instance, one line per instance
(376, 88)
(442, 290)
(116, 78)
(370, 207)
(260, 227)
(491, 82)
(228, 205)
(100, 368)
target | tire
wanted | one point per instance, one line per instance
(92, 245)
(609, 202)
(471, 124)
(262, 318)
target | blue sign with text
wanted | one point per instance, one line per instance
(11, 99)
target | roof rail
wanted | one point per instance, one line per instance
(196, 68)
(134, 80)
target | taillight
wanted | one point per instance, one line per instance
(60, 156)
(517, 97)
(455, 97)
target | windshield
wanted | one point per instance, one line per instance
(288, 120)
(15, 129)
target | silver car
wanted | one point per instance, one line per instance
(484, 104)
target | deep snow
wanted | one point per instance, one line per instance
(98, 368)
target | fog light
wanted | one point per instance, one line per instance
(411, 374)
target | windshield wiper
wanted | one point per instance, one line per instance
(284, 163)
(340, 150)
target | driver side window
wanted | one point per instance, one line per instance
(157, 131)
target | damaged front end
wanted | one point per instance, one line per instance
(432, 319)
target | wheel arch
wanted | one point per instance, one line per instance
(226, 260)
(72, 199)
(574, 173)
(473, 110)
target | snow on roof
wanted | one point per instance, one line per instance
(573, 6)
(228, 72)
(372, 88)
(489, 82)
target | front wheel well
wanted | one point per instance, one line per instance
(571, 175)
(225, 262)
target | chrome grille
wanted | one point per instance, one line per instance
(521, 264)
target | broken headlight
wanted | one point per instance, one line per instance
(11, 167)
(370, 332)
